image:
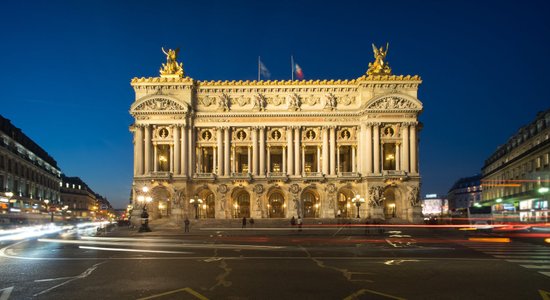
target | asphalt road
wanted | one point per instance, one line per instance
(326, 263)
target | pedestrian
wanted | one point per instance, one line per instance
(293, 221)
(299, 223)
(186, 222)
(251, 221)
(244, 222)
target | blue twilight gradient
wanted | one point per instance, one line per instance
(65, 68)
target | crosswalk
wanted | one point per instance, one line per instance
(529, 256)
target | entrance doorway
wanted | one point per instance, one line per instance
(241, 206)
(276, 205)
(310, 201)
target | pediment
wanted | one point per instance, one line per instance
(159, 104)
(394, 102)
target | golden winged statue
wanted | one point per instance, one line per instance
(171, 68)
(380, 66)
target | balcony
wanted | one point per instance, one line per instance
(204, 176)
(161, 175)
(277, 176)
(348, 175)
(394, 173)
(312, 175)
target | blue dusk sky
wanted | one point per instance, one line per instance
(66, 66)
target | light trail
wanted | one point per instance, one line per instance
(133, 250)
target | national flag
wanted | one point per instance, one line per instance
(263, 70)
(298, 71)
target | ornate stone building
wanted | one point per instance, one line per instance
(276, 149)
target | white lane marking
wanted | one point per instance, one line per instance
(532, 261)
(536, 266)
(133, 250)
(545, 273)
(523, 256)
(167, 245)
(53, 279)
(6, 292)
(84, 274)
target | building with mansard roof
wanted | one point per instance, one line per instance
(277, 149)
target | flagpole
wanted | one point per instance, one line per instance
(292, 66)
(258, 68)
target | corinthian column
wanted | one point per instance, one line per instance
(177, 149)
(325, 150)
(139, 150)
(368, 149)
(255, 151)
(405, 160)
(353, 165)
(262, 151)
(219, 141)
(147, 156)
(290, 149)
(413, 146)
(376, 149)
(184, 148)
(332, 151)
(227, 157)
(397, 157)
(155, 158)
(297, 170)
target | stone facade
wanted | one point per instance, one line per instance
(277, 149)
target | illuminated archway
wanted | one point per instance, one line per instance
(241, 204)
(310, 203)
(276, 206)
(344, 205)
(208, 209)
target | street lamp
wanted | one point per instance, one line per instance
(196, 203)
(144, 215)
(48, 209)
(358, 201)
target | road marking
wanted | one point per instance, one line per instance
(133, 250)
(536, 266)
(523, 256)
(6, 292)
(187, 289)
(529, 261)
(363, 291)
(397, 262)
(545, 273)
(84, 274)
(544, 294)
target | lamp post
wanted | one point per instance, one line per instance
(196, 202)
(145, 198)
(358, 201)
(48, 209)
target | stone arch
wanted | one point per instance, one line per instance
(393, 202)
(241, 203)
(208, 209)
(310, 203)
(276, 203)
(162, 195)
(344, 207)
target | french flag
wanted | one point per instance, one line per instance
(298, 71)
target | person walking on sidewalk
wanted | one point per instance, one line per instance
(299, 222)
(186, 222)
(244, 222)
(251, 221)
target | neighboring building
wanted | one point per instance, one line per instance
(516, 176)
(435, 205)
(277, 148)
(465, 193)
(29, 176)
(80, 201)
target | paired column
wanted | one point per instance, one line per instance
(325, 150)
(147, 156)
(226, 159)
(338, 160)
(214, 159)
(413, 147)
(255, 151)
(219, 148)
(353, 165)
(284, 159)
(268, 159)
(290, 148)
(332, 150)
(297, 151)
(184, 154)
(155, 160)
(397, 157)
(177, 149)
(376, 133)
(250, 159)
(191, 151)
(318, 158)
(368, 149)
(405, 160)
(139, 150)
(262, 151)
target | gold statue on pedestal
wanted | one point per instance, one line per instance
(171, 68)
(379, 66)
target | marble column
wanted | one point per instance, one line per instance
(290, 149)
(338, 170)
(177, 150)
(192, 152)
(368, 149)
(155, 158)
(397, 157)
(332, 150)
(184, 155)
(405, 158)
(147, 156)
(359, 148)
(139, 150)
(234, 164)
(262, 151)
(214, 160)
(318, 158)
(268, 159)
(199, 154)
(171, 157)
(304, 159)
(376, 133)
(283, 149)
(297, 166)
(325, 150)
(227, 158)
(249, 159)
(255, 151)
(413, 147)
(219, 152)
(353, 165)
